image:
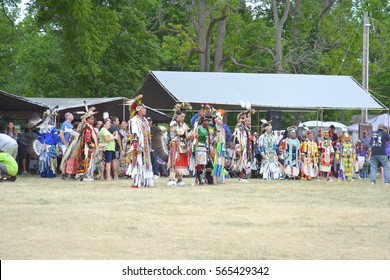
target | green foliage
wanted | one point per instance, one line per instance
(106, 47)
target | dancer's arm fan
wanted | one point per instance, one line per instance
(158, 143)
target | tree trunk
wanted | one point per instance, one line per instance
(278, 34)
(297, 22)
(218, 59)
(201, 32)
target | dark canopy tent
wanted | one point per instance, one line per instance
(14, 107)
(113, 105)
(18, 107)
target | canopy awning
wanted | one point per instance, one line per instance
(113, 105)
(162, 89)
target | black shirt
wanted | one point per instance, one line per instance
(112, 129)
(378, 143)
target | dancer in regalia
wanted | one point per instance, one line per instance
(143, 175)
(220, 139)
(49, 137)
(269, 163)
(243, 139)
(179, 152)
(291, 151)
(202, 145)
(348, 158)
(326, 156)
(309, 151)
(86, 149)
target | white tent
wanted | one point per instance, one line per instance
(375, 121)
(162, 89)
(312, 124)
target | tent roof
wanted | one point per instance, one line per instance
(321, 124)
(106, 104)
(374, 121)
(10, 102)
(69, 103)
(162, 89)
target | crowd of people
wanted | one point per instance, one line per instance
(206, 152)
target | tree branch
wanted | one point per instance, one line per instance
(254, 68)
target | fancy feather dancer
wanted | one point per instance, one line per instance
(179, 142)
(290, 148)
(86, 146)
(269, 163)
(220, 139)
(326, 155)
(348, 158)
(309, 151)
(48, 137)
(243, 140)
(142, 172)
(202, 148)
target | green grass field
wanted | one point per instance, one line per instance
(56, 219)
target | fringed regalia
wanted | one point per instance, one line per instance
(337, 158)
(348, 157)
(141, 169)
(69, 163)
(178, 153)
(220, 153)
(326, 151)
(201, 152)
(269, 164)
(49, 138)
(291, 151)
(242, 157)
(310, 163)
(88, 141)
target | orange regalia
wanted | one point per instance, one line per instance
(326, 159)
(179, 141)
(309, 151)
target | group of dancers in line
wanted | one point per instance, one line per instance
(199, 151)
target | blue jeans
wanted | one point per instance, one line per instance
(374, 167)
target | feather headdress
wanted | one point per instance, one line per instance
(135, 105)
(219, 114)
(247, 113)
(265, 125)
(48, 115)
(292, 129)
(206, 112)
(182, 107)
(88, 111)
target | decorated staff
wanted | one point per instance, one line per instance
(291, 151)
(243, 154)
(143, 174)
(178, 154)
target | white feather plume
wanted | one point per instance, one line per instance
(248, 106)
(242, 104)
